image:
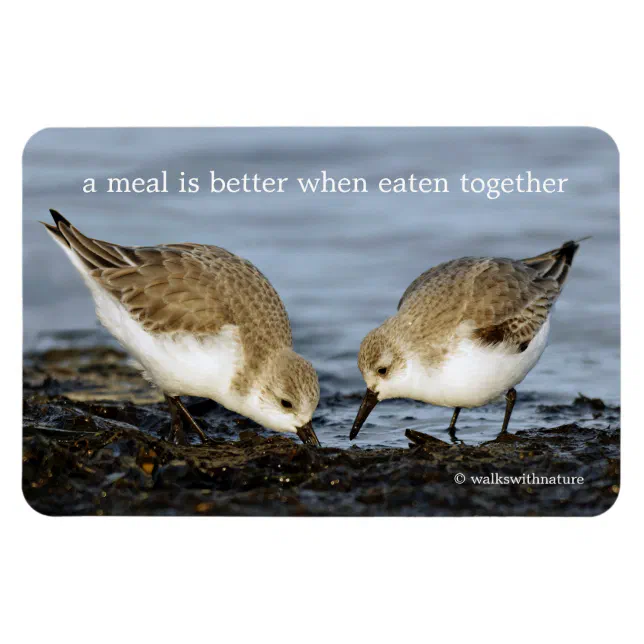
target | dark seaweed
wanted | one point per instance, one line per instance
(93, 445)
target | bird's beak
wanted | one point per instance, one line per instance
(307, 435)
(369, 401)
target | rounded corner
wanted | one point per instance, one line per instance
(32, 137)
(606, 135)
(611, 506)
(31, 507)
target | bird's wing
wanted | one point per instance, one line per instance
(441, 283)
(515, 297)
(183, 287)
(506, 300)
(510, 303)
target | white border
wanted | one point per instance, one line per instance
(197, 64)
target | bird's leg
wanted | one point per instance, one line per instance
(177, 435)
(193, 423)
(510, 399)
(452, 424)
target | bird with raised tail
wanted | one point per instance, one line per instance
(466, 333)
(201, 322)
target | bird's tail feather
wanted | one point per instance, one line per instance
(556, 263)
(91, 252)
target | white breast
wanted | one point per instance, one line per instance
(474, 374)
(178, 363)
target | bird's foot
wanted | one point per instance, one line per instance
(181, 420)
(177, 436)
(418, 438)
(505, 436)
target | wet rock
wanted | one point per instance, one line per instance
(594, 403)
(93, 445)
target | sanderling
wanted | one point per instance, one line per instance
(201, 322)
(466, 333)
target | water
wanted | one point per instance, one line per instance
(341, 261)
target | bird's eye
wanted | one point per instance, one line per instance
(287, 404)
(382, 371)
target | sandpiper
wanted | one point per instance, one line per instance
(201, 322)
(466, 333)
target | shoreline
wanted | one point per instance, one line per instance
(92, 446)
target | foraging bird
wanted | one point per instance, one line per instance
(201, 322)
(466, 332)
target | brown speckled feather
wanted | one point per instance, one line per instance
(200, 321)
(505, 300)
(187, 287)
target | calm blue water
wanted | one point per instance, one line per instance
(341, 261)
